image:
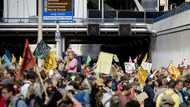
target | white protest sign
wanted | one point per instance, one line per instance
(129, 67)
(147, 66)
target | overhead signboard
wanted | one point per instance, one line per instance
(58, 10)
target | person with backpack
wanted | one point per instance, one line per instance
(169, 98)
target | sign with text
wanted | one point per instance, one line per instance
(129, 67)
(57, 9)
(147, 66)
(104, 63)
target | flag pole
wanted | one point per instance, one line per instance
(36, 69)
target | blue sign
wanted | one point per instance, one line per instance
(61, 10)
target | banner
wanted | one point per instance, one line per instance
(28, 59)
(104, 63)
(129, 67)
(41, 50)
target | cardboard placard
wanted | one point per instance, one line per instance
(147, 66)
(129, 67)
(104, 63)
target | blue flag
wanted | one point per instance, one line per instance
(6, 61)
(8, 54)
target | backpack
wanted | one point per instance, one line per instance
(19, 99)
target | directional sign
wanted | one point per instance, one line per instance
(57, 9)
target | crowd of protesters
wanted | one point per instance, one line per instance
(76, 85)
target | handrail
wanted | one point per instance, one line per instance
(112, 16)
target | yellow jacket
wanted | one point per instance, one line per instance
(171, 93)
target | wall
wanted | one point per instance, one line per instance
(86, 49)
(173, 47)
(19, 9)
(172, 43)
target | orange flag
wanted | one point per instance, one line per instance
(28, 59)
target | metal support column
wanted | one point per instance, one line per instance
(99, 4)
(58, 42)
(40, 34)
(102, 10)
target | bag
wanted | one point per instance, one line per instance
(19, 99)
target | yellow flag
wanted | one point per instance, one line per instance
(174, 71)
(145, 58)
(20, 60)
(50, 61)
(13, 59)
(142, 75)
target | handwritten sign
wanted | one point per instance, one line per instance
(129, 67)
(104, 63)
(147, 66)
